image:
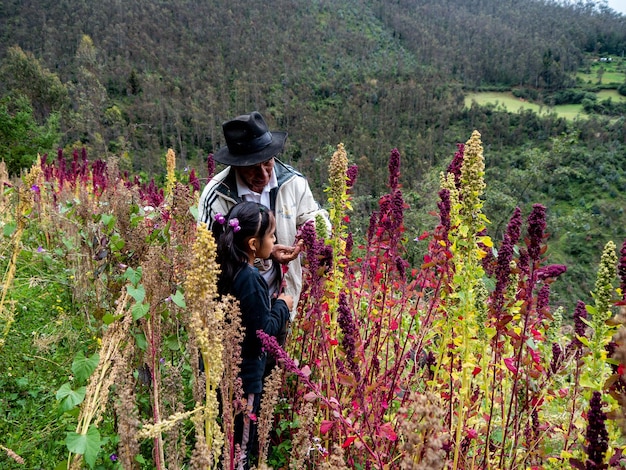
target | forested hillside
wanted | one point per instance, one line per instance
(130, 79)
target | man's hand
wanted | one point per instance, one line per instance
(284, 254)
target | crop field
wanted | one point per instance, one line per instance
(507, 101)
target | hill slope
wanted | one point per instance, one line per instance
(133, 78)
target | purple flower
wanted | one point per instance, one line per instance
(349, 244)
(99, 175)
(523, 262)
(597, 435)
(456, 164)
(61, 176)
(194, 181)
(514, 228)
(352, 173)
(271, 345)
(371, 229)
(552, 270)
(444, 211)
(397, 211)
(543, 298)
(210, 163)
(401, 265)
(505, 256)
(113, 457)
(536, 229)
(580, 314)
(307, 234)
(557, 356)
(394, 169)
(151, 194)
(346, 323)
(503, 270)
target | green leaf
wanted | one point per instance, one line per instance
(108, 220)
(138, 293)
(490, 331)
(586, 321)
(141, 341)
(584, 340)
(140, 310)
(589, 382)
(133, 276)
(194, 212)
(172, 343)
(69, 244)
(70, 398)
(109, 318)
(135, 220)
(9, 228)
(116, 243)
(179, 299)
(83, 367)
(88, 445)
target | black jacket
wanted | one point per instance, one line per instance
(257, 313)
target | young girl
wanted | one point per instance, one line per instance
(243, 235)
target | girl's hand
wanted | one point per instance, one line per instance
(288, 300)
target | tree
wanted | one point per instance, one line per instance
(21, 138)
(23, 73)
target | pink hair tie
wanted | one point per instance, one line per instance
(219, 218)
(234, 223)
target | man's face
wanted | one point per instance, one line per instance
(256, 176)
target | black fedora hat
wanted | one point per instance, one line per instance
(248, 141)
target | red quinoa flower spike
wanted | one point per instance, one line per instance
(456, 164)
(597, 435)
(536, 231)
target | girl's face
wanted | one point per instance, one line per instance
(266, 243)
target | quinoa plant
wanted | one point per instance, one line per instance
(460, 362)
(471, 329)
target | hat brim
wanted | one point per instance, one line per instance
(277, 145)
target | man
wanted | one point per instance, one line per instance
(255, 174)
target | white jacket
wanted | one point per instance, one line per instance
(292, 202)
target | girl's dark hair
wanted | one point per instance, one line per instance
(231, 232)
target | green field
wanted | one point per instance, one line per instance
(613, 94)
(506, 101)
(614, 72)
(609, 77)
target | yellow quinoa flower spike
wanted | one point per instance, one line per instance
(170, 161)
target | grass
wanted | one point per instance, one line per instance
(35, 362)
(508, 102)
(608, 78)
(613, 94)
(614, 72)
